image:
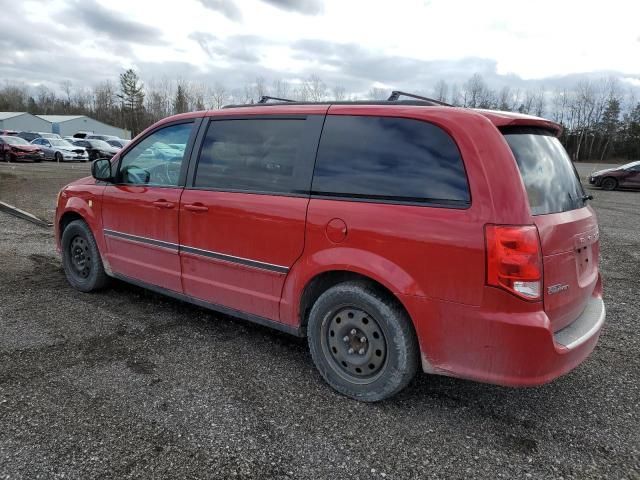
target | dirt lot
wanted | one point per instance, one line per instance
(126, 383)
(34, 186)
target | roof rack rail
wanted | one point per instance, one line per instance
(396, 94)
(266, 98)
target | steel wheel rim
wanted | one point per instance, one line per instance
(80, 256)
(354, 344)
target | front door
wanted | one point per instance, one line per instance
(140, 211)
(631, 178)
(242, 219)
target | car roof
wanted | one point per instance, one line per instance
(499, 118)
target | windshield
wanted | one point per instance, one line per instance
(99, 144)
(548, 174)
(60, 143)
(15, 141)
(630, 165)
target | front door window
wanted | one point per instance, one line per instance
(157, 160)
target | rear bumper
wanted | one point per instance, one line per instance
(511, 349)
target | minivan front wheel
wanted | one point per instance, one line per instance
(81, 259)
(362, 342)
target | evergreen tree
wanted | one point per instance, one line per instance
(132, 97)
(181, 102)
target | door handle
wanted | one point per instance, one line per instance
(163, 204)
(196, 207)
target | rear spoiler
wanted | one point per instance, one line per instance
(508, 119)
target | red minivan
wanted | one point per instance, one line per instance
(391, 234)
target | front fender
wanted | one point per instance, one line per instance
(85, 201)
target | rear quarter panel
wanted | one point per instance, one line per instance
(428, 252)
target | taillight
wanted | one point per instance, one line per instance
(514, 259)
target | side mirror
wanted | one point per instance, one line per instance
(101, 170)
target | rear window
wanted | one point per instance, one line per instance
(549, 176)
(390, 160)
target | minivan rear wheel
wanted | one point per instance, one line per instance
(81, 259)
(362, 342)
(609, 183)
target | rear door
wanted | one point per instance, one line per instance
(568, 227)
(140, 211)
(242, 217)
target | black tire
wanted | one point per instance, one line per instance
(362, 342)
(609, 183)
(58, 157)
(81, 259)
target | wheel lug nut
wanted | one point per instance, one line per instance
(363, 339)
(361, 351)
(353, 331)
(351, 351)
(345, 338)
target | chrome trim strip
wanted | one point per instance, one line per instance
(199, 251)
(139, 239)
(232, 258)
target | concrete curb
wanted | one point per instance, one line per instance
(16, 212)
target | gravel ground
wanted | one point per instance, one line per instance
(34, 186)
(126, 383)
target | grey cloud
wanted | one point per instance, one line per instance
(240, 48)
(113, 24)
(306, 7)
(226, 7)
(359, 63)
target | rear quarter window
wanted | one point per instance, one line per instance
(389, 159)
(549, 177)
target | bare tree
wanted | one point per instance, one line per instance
(280, 88)
(441, 91)
(316, 88)
(260, 88)
(219, 96)
(339, 93)
(377, 93)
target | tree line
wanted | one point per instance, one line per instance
(601, 118)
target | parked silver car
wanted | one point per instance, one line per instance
(60, 150)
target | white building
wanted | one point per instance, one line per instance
(21, 121)
(67, 125)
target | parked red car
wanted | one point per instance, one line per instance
(624, 176)
(392, 234)
(15, 148)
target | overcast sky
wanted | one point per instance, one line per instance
(404, 44)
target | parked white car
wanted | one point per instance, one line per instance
(60, 150)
